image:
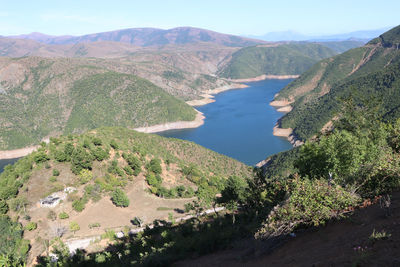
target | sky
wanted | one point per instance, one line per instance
(240, 17)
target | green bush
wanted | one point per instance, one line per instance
(31, 226)
(85, 176)
(78, 205)
(60, 156)
(119, 198)
(80, 160)
(74, 227)
(63, 215)
(100, 154)
(94, 225)
(154, 166)
(311, 202)
(153, 180)
(56, 172)
(114, 144)
(3, 207)
(40, 157)
(97, 141)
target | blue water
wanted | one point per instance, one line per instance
(4, 162)
(239, 123)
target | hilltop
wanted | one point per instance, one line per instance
(148, 37)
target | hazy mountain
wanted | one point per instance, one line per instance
(364, 35)
(148, 37)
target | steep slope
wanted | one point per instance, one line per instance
(149, 37)
(276, 59)
(365, 72)
(367, 238)
(42, 97)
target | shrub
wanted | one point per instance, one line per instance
(16, 204)
(78, 205)
(51, 215)
(63, 215)
(97, 141)
(85, 176)
(153, 180)
(74, 226)
(311, 202)
(94, 225)
(3, 207)
(119, 198)
(56, 172)
(114, 144)
(40, 157)
(128, 170)
(133, 162)
(154, 166)
(60, 156)
(100, 154)
(80, 160)
(31, 226)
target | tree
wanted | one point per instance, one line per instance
(114, 144)
(119, 198)
(74, 226)
(3, 207)
(154, 166)
(100, 154)
(97, 141)
(41, 156)
(56, 172)
(81, 159)
(234, 193)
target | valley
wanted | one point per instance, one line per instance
(97, 187)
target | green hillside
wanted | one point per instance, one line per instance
(47, 97)
(363, 73)
(284, 59)
(342, 46)
(114, 171)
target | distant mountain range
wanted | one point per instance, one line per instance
(364, 35)
(147, 37)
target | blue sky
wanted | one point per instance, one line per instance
(245, 17)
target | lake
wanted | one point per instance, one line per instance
(4, 162)
(239, 123)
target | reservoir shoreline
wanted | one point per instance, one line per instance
(208, 97)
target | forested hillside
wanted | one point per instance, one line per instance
(111, 170)
(369, 72)
(46, 97)
(274, 59)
